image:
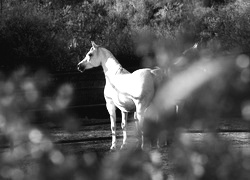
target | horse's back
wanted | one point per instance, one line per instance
(147, 74)
(146, 81)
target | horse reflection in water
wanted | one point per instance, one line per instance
(130, 92)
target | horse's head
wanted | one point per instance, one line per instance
(91, 59)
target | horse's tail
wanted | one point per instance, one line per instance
(159, 76)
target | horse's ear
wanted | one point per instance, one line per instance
(94, 45)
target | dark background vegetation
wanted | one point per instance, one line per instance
(56, 34)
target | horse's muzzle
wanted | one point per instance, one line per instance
(80, 67)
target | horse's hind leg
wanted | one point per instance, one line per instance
(111, 109)
(140, 112)
(141, 107)
(138, 131)
(124, 128)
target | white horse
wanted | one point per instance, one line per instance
(130, 92)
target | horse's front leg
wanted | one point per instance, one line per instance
(111, 109)
(124, 128)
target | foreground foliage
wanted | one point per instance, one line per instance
(206, 82)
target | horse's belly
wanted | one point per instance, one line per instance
(124, 103)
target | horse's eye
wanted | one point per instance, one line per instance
(90, 54)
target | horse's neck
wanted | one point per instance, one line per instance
(110, 65)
